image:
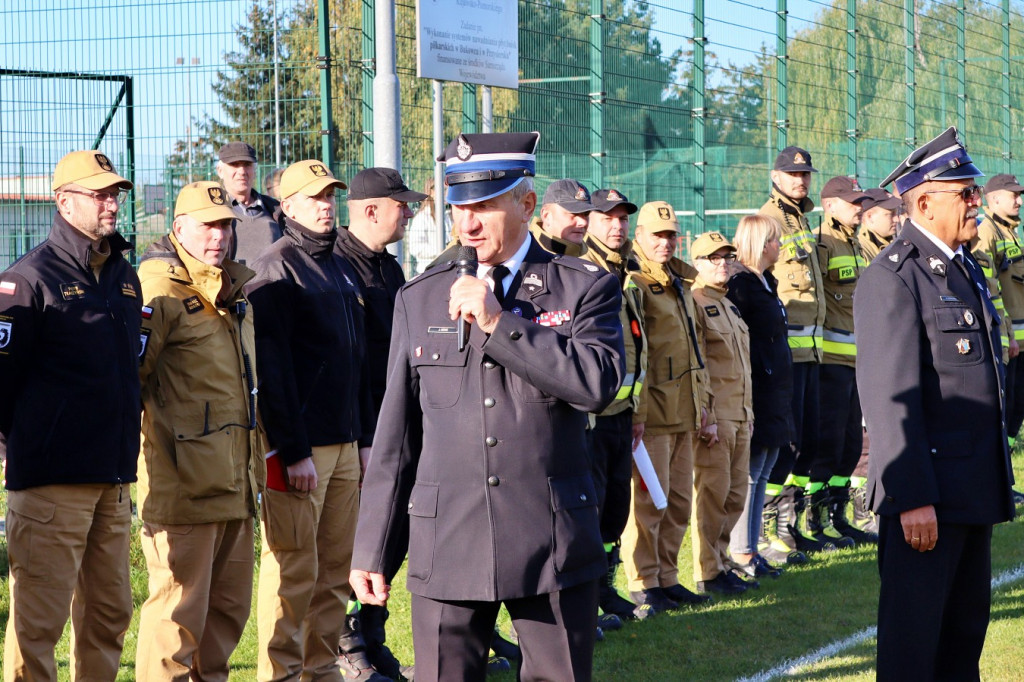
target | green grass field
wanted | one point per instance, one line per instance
(810, 607)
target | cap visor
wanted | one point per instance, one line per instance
(473, 192)
(212, 214)
(313, 188)
(605, 206)
(852, 197)
(409, 196)
(797, 169)
(961, 172)
(576, 206)
(104, 180)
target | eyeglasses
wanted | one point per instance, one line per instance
(102, 198)
(967, 194)
(716, 258)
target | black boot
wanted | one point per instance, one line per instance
(352, 653)
(839, 501)
(819, 520)
(372, 619)
(798, 526)
(608, 598)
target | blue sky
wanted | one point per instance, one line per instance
(144, 38)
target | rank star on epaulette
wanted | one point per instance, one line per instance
(963, 346)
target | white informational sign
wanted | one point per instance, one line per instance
(468, 41)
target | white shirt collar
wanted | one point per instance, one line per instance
(939, 244)
(512, 264)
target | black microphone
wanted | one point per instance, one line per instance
(465, 264)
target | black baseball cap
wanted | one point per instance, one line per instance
(233, 152)
(794, 160)
(1003, 181)
(569, 194)
(845, 188)
(374, 183)
(876, 197)
(605, 200)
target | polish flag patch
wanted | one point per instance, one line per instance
(8, 287)
(147, 312)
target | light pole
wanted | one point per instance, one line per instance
(180, 61)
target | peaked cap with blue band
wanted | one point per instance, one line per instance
(485, 165)
(942, 158)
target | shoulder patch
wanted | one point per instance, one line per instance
(193, 304)
(143, 342)
(712, 310)
(657, 289)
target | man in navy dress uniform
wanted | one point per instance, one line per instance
(501, 504)
(931, 380)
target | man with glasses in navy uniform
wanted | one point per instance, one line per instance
(69, 428)
(931, 378)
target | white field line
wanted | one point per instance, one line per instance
(794, 666)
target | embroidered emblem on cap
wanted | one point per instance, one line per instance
(318, 170)
(798, 158)
(664, 213)
(968, 317)
(104, 163)
(6, 332)
(715, 237)
(581, 194)
(963, 346)
(216, 195)
(464, 150)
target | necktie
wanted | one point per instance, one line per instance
(498, 275)
(966, 268)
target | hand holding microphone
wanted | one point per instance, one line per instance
(465, 264)
(471, 299)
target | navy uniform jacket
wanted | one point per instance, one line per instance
(930, 379)
(500, 500)
(70, 407)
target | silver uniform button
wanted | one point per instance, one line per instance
(488, 402)
(491, 441)
(493, 480)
